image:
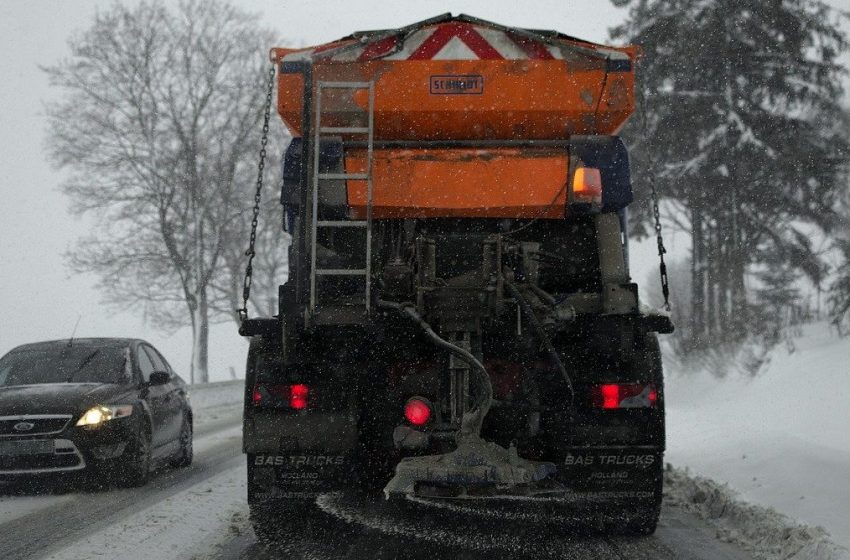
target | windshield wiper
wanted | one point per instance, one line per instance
(83, 364)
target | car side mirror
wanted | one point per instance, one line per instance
(159, 378)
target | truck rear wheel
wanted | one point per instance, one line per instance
(644, 519)
(273, 517)
(614, 457)
(643, 515)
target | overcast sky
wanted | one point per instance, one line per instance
(39, 299)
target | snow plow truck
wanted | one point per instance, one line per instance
(459, 322)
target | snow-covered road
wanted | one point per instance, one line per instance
(349, 527)
(200, 513)
(176, 513)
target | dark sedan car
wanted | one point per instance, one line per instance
(103, 406)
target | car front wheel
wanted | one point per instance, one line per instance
(184, 454)
(136, 466)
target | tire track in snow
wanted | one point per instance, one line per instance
(349, 526)
(509, 531)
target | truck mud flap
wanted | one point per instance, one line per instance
(297, 475)
(612, 473)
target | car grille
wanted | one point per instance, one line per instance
(41, 424)
(33, 456)
(39, 462)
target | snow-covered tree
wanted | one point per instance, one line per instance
(839, 293)
(158, 125)
(739, 99)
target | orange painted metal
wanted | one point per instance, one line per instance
(429, 183)
(520, 99)
(551, 89)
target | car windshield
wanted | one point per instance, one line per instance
(64, 364)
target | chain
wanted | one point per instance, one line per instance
(656, 212)
(662, 266)
(249, 268)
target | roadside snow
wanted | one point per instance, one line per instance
(215, 403)
(211, 395)
(762, 532)
(780, 439)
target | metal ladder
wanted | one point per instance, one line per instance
(318, 177)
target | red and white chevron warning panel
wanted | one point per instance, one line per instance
(453, 38)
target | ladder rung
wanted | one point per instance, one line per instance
(345, 85)
(341, 223)
(344, 130)
(353, 176)
(340, 272)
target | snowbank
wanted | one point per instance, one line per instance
(779, 440)
(763, 532)
(210, 395)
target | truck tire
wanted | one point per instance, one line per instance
(643, 520)
(275, 518)
(643, 516)
(622, 474)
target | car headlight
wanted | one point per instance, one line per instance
(97, 415)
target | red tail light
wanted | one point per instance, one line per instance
(624, 395)
(295, 396)
(417, 411)
(298, 396)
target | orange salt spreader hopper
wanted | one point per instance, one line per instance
(470, 118)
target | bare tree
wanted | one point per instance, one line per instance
(158, 126)
(270, 265)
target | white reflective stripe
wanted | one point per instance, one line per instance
(455, 49)
(576, 55)
(348, 55)
(298, 56)
(500, 41)
(413, 42)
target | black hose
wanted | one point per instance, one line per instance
(544, 338)
(407, 309)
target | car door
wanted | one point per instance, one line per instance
(174, 403)
(157, 397)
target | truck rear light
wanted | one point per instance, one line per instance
(587, 186)
(294, 396)
(298, 396)
(624, 395)
(417, 411)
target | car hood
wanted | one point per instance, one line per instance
(58, 398)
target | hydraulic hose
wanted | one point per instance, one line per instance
(485, 398)
(541, 333)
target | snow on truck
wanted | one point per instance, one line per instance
(459, 320)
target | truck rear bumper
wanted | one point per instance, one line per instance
(325, 433)
(298, 457)
(612, 473)
(296, 475)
